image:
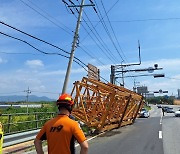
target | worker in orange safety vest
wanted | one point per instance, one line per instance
(1, 138)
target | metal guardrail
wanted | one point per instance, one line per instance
(21, 122)
(14, 139)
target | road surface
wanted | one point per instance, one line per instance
(154, 135)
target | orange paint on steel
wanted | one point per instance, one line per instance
(104, 106)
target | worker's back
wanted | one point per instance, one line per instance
(60, 133)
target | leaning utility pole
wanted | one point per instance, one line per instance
(73, 45)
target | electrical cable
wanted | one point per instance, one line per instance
(51, 53)
(32, 45)
(106, 28)
(99, 40)
(41, 50)
(41, 10)
(104, 16)
(45, 16)
(113, 33)
(142, 20)
(45, 92)
(1, 22)
(11, 92)
(21, 53)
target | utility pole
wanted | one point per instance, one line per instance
(135, 86)
(27, 96)
(73, 48)
(122, 67)
(122, 76)
(112, 76)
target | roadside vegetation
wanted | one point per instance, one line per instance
(18, 120)
(160, 100)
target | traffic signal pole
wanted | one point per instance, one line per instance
(73, 48)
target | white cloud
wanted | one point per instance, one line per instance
(34, 63)
(2, 60)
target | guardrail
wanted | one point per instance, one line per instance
(14, 139)
(21, 122)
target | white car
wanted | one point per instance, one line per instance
(177, 113)
(144, 113)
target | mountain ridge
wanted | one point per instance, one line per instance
(18, 98)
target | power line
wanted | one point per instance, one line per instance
(47, 53)
(1, 22)
(80, 64)
(43, 11)
(105, 27)
(108, 50)
(96, 42)
(11, 92)
(45, 92)
(142, 20)
(113, 33)
(32, 45)
(45, 16)
(21, 53)
(108, 53)
(104, 16)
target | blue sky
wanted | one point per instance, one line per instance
(154, 23)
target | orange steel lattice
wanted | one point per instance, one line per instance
(104, 106)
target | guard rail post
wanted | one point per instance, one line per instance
(9, 121)
(36, 119)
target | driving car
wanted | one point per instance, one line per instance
(169, 110)
(159, 106)
(144, 113)
(177, 113)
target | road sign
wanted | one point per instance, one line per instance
(93, 72)
(142, 90)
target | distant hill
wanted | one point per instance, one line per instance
(17, 98)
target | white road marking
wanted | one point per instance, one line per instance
(160, 134)
(91, 138)
(161, 120)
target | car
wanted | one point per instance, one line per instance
(159, 106)
(177, 113)
(144, 113)
(169, 110)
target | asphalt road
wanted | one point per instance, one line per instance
(171, 133)
(154, 135)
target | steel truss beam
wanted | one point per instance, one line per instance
(104, 106)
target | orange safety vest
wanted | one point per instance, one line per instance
(1, 138)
